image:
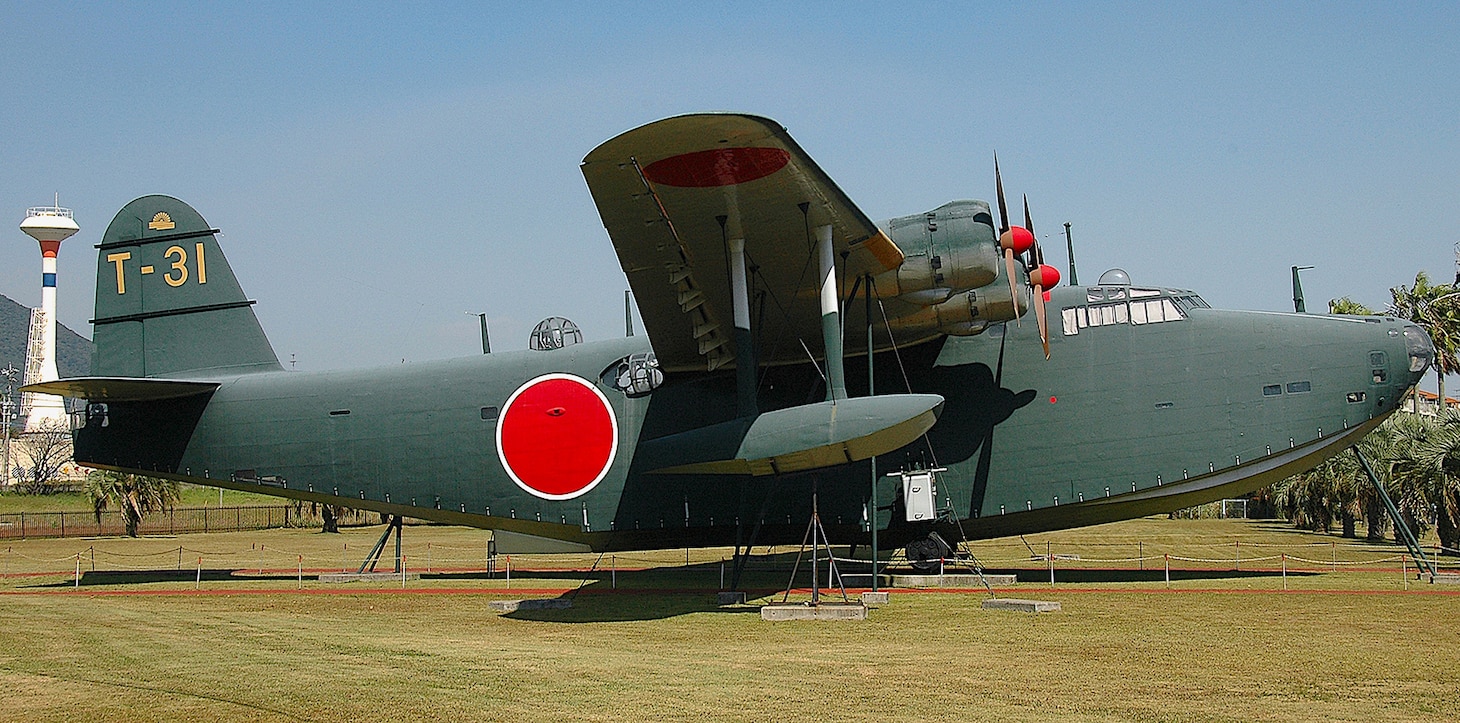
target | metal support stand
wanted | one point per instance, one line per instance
(373, 557)
(817, 535)
(1405, 534)
(871, 392)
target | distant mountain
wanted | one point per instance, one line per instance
(73, 351)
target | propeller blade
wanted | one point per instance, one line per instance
(1029, 224)
(1039, 314)
(1003, 208)
(1013, 294)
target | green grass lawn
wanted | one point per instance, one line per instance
(135, 642)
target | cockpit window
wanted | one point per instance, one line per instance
(1137, 311)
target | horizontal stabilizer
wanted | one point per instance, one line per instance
(122, 389)
(807, 437)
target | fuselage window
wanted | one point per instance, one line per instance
(1135, 312)
(1299, 387)
(1272, 390)
(1154, 311)
(1355, 397)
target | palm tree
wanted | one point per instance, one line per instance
(1346, 305)
(133, 495)
(1436, 309)
(1427, 470)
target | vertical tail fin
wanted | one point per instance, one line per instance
(167, 304)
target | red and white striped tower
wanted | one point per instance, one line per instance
(50, 225)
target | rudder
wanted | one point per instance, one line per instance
(167, 303)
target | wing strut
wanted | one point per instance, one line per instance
(745, 363)
(836, 379)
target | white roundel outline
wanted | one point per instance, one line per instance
(612, 423)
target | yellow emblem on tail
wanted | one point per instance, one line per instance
(161, 222)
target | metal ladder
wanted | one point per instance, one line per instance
(32, 358)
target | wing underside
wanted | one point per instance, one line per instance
(674, 192)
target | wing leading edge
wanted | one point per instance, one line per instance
(674, 192)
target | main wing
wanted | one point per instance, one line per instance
(671, 193)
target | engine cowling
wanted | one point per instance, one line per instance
(967, 312)
(948, 250)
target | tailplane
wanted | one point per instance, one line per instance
(167, 304)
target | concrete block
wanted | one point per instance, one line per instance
(512, 606)
(824, 611)
(871, 599)
(1026, 606)
(730, 598)
(1447, 578)
(366, 576)
(961, 580)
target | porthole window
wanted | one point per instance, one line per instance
(1299, 387)
(1272, 390)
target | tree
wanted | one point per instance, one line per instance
(1346, 305)
(1436, 309)
(133, 495)
(1427, 473)
(49, 449)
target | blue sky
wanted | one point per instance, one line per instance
(379, 170)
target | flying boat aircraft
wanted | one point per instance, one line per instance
(792, 344)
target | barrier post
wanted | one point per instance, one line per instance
(1335, 555)
(1168, 571)
(509, 572)
(722, 574)
(343, 552)
(78, 570)
(402, 572)
(1141, 552)
(613, 570)
(1239, 556)
(1285, 571)
(301, 572)
(1404, 569)
(429, 557)
(198, 581)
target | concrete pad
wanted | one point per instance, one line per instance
(871, 599)
(824, 611)
(952, 580)
(1447, 578)
(1025, 606)
(730, 598)
(366, 576)
(512, 606)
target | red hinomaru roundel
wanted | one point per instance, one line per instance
(557, 436)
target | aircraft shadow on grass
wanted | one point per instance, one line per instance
(94, 578)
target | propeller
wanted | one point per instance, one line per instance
(1013, 240)
(1041, 277)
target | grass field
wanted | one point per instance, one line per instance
(144, 638)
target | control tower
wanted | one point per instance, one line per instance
(50, 225)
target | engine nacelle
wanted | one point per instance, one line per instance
(968, 312)
(950, 249)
